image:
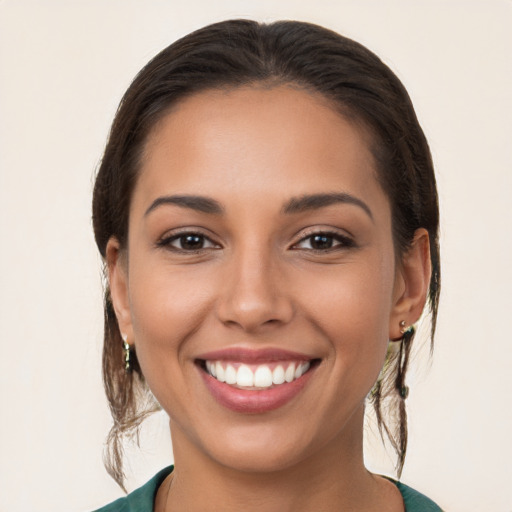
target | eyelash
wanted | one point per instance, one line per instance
(344, 242)
(167, 242)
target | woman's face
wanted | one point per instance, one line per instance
(260, 248)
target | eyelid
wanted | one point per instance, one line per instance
(165, 240)
(347, 241)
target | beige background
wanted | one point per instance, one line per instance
(63, 67)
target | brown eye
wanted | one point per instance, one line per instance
(187, 242)
(324, 242)
(190, 242)
(321, 242)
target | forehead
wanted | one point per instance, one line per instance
(278, 141)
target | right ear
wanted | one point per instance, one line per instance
(117, 266)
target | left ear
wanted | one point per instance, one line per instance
(411, 284)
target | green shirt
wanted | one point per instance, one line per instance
(143, 498)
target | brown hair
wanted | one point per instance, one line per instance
(242, 52)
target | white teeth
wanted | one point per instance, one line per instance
(219, 371)
(263, 377)
(278, 375)
(230, 375)
(289, 374)
(301, 369)
(244, 376)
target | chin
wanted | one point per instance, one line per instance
(261, 448)
(261, 459)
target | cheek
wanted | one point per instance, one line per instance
(358, 296)
(167, 307)
(351, 305)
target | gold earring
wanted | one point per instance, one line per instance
(404, 329)
(126, 352)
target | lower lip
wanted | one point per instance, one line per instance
(255, 401)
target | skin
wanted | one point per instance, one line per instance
(257, 282)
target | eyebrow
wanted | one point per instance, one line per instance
(316, 201)
(300, 204)
(199, 203)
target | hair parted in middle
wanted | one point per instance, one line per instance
(239, 53)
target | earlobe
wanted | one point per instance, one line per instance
(118, 282)
(412, 284)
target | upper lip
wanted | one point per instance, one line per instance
(253, 356)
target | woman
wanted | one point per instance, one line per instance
(267, 211)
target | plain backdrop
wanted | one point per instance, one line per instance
(64, 65)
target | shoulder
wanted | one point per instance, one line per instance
(415, 501)
(140, 500)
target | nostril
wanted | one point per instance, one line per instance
(251, 311)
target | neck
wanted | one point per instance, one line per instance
(333, 478)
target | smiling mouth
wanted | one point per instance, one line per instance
(256, 376)
(253, 381)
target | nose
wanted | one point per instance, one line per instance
(254, 293)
